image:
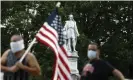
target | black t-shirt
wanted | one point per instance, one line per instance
(131, 70)
(101, 71)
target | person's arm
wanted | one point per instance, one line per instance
(9, 69)
(3, 62)
(118, 74)
(33, 67)
(115, 72)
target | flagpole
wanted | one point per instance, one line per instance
(28, 49)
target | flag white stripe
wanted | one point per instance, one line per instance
(51, 29)
(54, 47)
(63, 55)
(51, 34)
(59, 49)
(63, 68)
(55, 41)
(60, 75)
(45, 32)
(68, 53)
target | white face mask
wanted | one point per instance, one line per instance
(17, 46)
(91, 54)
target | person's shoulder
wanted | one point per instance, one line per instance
(108, 64)
(105, 61)
(30, 55)
(6, 52)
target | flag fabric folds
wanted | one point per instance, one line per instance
(51, 35)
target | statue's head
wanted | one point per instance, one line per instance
(71, 17)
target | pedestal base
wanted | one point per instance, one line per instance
(73, 62)
(75, 76)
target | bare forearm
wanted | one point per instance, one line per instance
(118, 74)
(4, 68)
(33, 71)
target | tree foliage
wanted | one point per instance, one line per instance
(99, 21)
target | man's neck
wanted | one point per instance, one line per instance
(94, 59)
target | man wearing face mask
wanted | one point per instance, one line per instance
(14, 70)
(98, 69)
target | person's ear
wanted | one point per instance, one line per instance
(98, 52)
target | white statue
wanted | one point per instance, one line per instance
(71, 33)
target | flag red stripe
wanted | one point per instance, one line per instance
(45, 43)
(62, 60)
(59, 54)
(49, 31)
(66, 65)
(45, 35)
(63, 73)
(64, 51)
(50, 39)
(58, 78)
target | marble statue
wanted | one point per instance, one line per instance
(71, 33)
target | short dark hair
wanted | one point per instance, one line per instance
(20, 37)
(94, 43)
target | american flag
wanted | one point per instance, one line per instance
(51, 35)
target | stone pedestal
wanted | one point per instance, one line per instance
(73, 62)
